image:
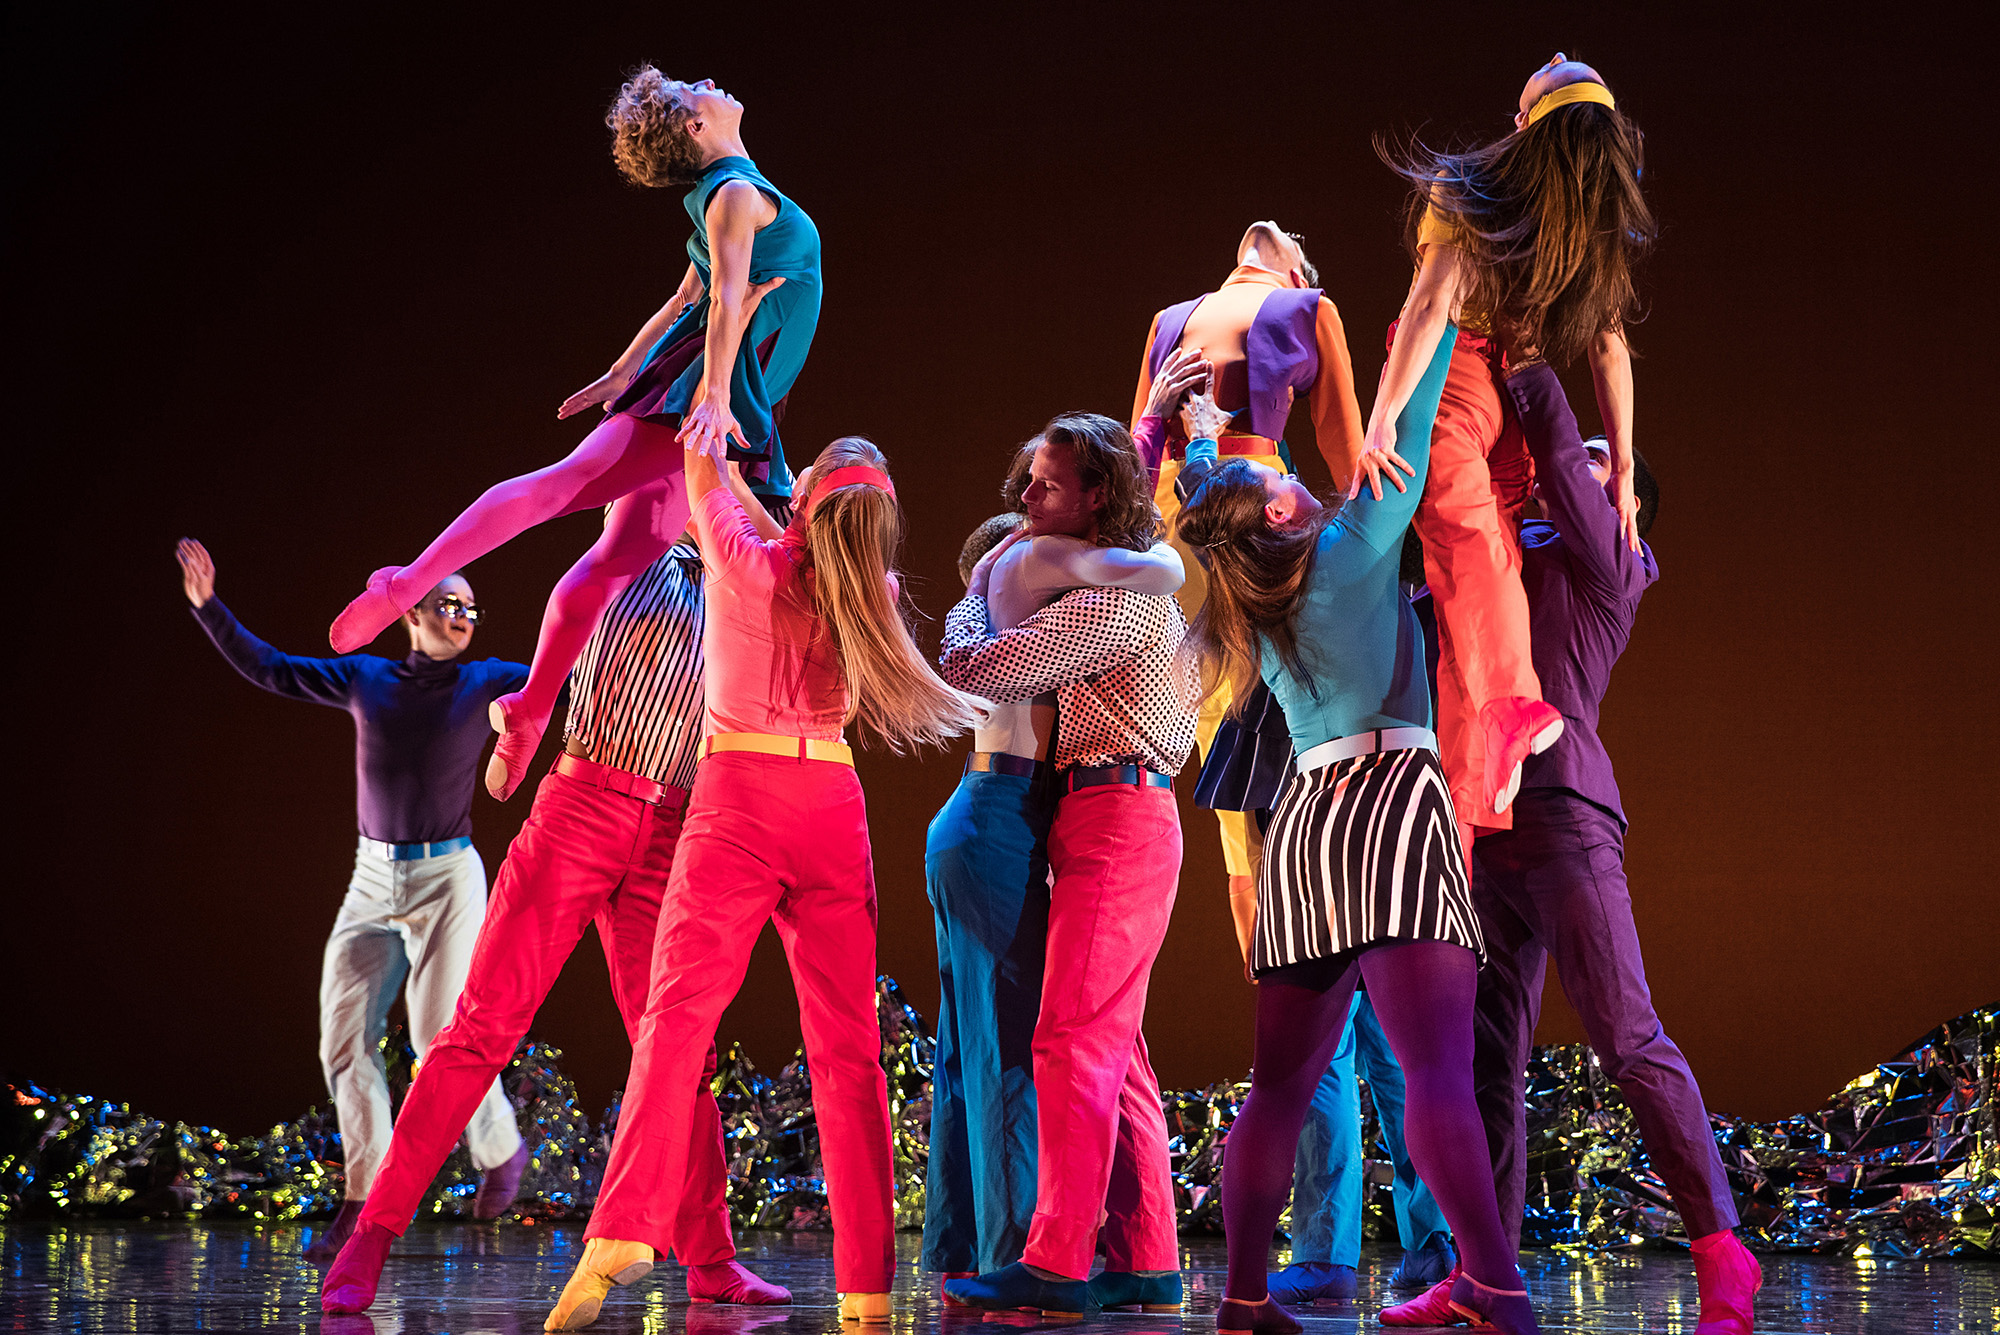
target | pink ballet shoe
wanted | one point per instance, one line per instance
(519, 737)
(1432, 1307)
(367, 616)
(1729, 1278)
(1505, 1310)
(1516, 728)
(1264, 1317)
(350, 1283)
(728, 1282)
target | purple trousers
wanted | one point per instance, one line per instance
(1554, 886)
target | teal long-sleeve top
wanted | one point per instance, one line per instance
(1356, 631)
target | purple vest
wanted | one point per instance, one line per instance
(1281, 350)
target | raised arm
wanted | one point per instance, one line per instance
(1185, 372)
(322, 681)
(735, 212)
(721, 522)
(1380, 520)
(1426, 315)
(614, 382)
(1571, 498)
(1335, 412)
(1611, 374)
(1054, 562)
(1077, 636)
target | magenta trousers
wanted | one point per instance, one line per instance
(782, 839)
(1115, 856)
(584, 855)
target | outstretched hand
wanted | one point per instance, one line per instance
(982, 573)
(1628, 508)
(197, 571)
(1185, 371)
(1202, 419)
(603, 390)
(1379, 460)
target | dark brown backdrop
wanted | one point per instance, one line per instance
(302, 282)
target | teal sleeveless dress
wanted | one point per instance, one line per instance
(774, 347)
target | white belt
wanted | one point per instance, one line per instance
(1366, 743)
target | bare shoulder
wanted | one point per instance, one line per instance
(740, 202)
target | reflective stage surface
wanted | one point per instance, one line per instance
(464, 1279)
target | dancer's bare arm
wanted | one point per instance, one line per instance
(1433, 298)
(613, 382)
(769, 529)
(735, 212)
(1611, 373)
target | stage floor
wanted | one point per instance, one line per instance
(461, 1279)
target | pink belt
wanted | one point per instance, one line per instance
(622, 782)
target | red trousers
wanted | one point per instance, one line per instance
(1470, 522)
(584, 855)
(767, 837)
(1115, 855)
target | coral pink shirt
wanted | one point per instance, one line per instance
(771, 664)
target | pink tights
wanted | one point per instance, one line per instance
(631, 464)
(1423, 994)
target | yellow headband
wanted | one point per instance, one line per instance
(1568, 93)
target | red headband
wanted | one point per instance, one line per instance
(850, 475)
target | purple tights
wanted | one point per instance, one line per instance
(1423, 995)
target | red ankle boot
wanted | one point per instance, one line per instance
(350, 1283)
(1432, 1307)
(1504, 1310)
(519, 738)
(1515, 728)
(1729, 1278)
(367, 616)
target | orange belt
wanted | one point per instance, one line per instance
(1242, 442)
(771, 744)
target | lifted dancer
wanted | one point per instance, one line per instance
(715, 364)
(1126, 698)
(1555, 883)
(804, 634)
(1531, 238)
(986, 867)
(1362, 875)
(413, 907)
(597, 847)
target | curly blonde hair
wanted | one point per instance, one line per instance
(649, 131)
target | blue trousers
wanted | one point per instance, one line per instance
(1328, 1177)
(986, 867)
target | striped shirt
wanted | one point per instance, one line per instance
(636, 696)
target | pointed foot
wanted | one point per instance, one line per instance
(369, 615)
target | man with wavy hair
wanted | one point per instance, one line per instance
(1125, 697)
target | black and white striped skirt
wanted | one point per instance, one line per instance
(1359, 851)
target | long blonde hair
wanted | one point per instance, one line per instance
(853, 533)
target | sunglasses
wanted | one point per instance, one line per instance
(451, 607)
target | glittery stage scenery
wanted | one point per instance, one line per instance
(1902, 1163)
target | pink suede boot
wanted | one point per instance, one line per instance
(367, 616)
(1729, 1278)
(1515, 728)
(1264, 1318)
(728, 1282)
(519, 738)
(1432, 1307)
(1504, 1310)
(349, 1285)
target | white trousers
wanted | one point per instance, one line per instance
(409, 927)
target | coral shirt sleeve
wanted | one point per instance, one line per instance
(1336, 413)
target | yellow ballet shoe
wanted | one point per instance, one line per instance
(868, 1308)
(606, 1261)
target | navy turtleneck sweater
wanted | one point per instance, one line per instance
(419, 725)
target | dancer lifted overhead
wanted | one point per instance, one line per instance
(413, 909)
(597, 847)
(714, 365)
(804, 634)
(1363, 874)
(1531, 237)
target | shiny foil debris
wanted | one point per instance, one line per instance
(1903, 1162)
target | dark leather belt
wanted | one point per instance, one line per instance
(1005, 762)
(1092, 776)
(620, 781)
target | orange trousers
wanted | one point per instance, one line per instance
(1470, 523)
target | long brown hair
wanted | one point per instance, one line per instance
(649, 135)
(1105, 457)
(1256, 574)
(852, 534)
(1551, 218)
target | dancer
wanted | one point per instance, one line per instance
(803, 635)
(1362, 877)
(716, 363)
(986, 869)
(414, 904)
(1266, 336)
(1531, 237)
(1555, 883)
(597, 847)
(1126, 698)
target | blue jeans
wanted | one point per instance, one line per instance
(1328, 1178)
(986, 867)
